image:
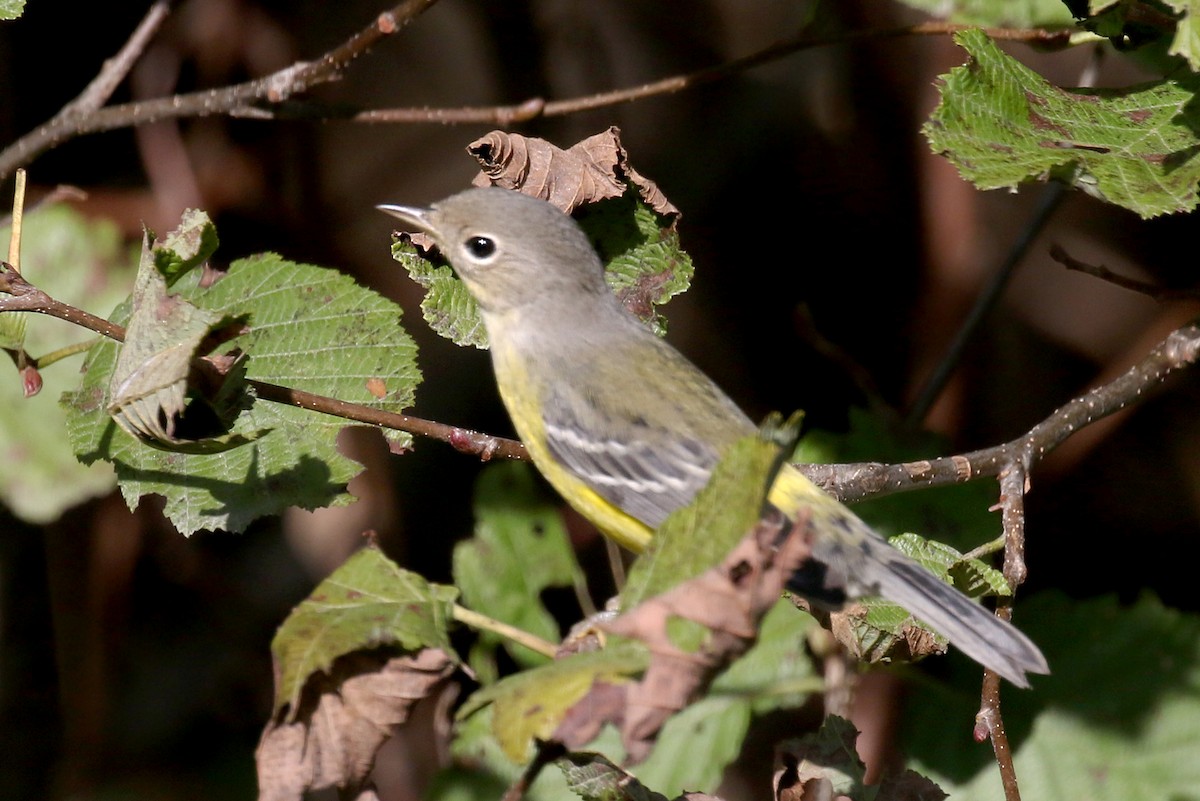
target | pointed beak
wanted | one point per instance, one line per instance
(413, 215)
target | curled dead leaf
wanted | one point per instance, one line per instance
(345, 716)
(594, 169)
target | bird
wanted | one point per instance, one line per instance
(626, 429)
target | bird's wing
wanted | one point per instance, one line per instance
(649, 471)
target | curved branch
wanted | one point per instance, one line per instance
(1181, 348)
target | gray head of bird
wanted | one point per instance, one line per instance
(511, 250)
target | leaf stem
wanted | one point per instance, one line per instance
(476, 620)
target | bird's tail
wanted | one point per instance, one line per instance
(858, 562)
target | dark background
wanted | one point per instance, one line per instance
(134, 663)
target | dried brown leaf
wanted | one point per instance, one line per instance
(722, 605)
(594, 169)
(345, 717)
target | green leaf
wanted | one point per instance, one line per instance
(482, 771)
(520, 549)
(531, 704)
(1001, 124)
(999, 13)
(86, 264)
(1117, 719)
(698, 536)
(312, 329)
(367, 602)
(972, 577)
(1186, 42)
(448, 307)
(592, 777)
(956, 514)
(644, 265)
(11, 9)
(643, 261)
(191, 244)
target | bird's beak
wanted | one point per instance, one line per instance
(413, 215)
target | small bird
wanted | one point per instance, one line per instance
(627, 430)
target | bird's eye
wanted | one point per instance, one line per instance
(481, 247)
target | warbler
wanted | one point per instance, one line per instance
(627, 430)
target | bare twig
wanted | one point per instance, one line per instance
(115, 69)
(245, 99)
(1049, 201)
(1180, 348)
(236, 100)
(989, 721)
(481, 622)
(1060, 255)
(28, 298)
(506, 115)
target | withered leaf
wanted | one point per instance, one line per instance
(345, 717)
(594, 169)
(697, 628)
(155, 370)
(826, 765)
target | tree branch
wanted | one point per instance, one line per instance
(82, 117)
(1180, 348)
(28, 298)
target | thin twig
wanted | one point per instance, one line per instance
(1181, 348)
(235, 100)
(26, 297)
(245, 99)
(1049, 201)
(481, 622)
(536, 106)
(1060, 255)
(987, 299)
(115, 69)
(989, 720)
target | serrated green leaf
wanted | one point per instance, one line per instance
(448, 307)
(1117, 719)
(367, 602)
(1002, 124)
(531, 704)
(311, 328)
(592, 777)
(643, 261)
(84, 263)
(519, 550)
(698, 536)
(972, 577)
